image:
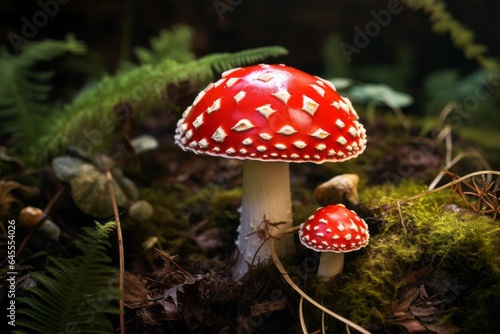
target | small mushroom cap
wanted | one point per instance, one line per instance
(272, 113)
(334, 228)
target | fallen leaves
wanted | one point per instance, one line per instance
(422, 306)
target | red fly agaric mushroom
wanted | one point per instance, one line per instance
(333, 230)
(269, 116)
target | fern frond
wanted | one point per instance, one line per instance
(142, 89)
(23, 91)
(76, 293)
(173, 44)
(462, 37)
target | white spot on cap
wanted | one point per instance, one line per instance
(325, 243)
(219, 135)
(320, 90)
(287, 130)
(265, 136)
(305, 237)
(231, 81)
(265, 77)
(261, 148)
(307, 156)
(243, 125)
(352, 131)
(230, 150)
(203, 143)
(198, 97)
(320, 147)
(323, 221)
(294, 155)
(186, 112)
(266, 110)
(215, 106)
(339, 123)
(320, 134)
(336, 104)
(349, 148)
(320, 234)
(331, 153)
(335, 237)
(329, 84)
(316, 228)
(198, 121)
(247, 141)
(183, 127)
(340, 154)
(316, 156)
(274, 154)
(309, 105)
(189, 134)
(308, 227)
(320, 82)
(238, 97)
(283, 95)
(341, 140)
(216, 149)
(226, 73)
(299, 144)
(219, 82)
(348, 237)
(344, 105)
(329, 230)
(280, 146)
(340, 227)
(243, 151)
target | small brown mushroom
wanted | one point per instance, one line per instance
(338, 189)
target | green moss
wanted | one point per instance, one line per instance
(420, 240)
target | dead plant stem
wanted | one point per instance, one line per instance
(109, 178)
(287, 278)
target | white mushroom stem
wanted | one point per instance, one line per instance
(330, 264)
(266, 195)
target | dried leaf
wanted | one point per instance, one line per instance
(423, 311)
(135, 293)
(269, 306)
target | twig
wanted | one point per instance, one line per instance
(287, 278)
(109, 178)
(471, 154)
(425, 193)
(301, 316)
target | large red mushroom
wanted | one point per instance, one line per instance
(269, 116)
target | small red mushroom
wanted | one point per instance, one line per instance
(269, 116)
(333, 230)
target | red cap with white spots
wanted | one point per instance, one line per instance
(334, 228)
(272, 113)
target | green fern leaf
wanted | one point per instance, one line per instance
(142, 89)
(173, 44)
(77, 292)
(23, 91)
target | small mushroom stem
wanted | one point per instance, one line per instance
(266, 196)
(330, 265)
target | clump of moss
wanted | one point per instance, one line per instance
(421, 239)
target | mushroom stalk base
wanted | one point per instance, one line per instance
(330, 264)
(266, 200)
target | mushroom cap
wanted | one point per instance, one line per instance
(271, 113)
(334, 228)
